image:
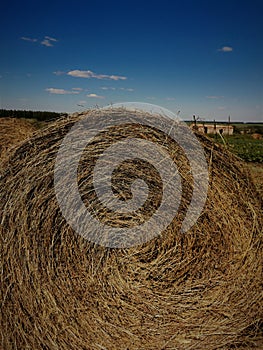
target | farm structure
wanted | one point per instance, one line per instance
(214, 128)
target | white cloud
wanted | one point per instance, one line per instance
(214, 97)
(61, 91)
(226, 49)
(77, 89)
(58, 72)
(113, 88)
(81, 73)
(51, 39)
(221, 108)
(28, 39)
(127, 89)
(89, 74)
(107, 88)
(170, 98)
(48, 41)
(94, 96)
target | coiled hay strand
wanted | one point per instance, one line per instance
(196, 290)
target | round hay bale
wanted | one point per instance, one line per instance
(12, 132)
(196, 290)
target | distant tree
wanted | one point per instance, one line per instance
(38, 115)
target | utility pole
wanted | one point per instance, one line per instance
(215, 129)
(195, 126)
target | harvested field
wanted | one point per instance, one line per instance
(12, 132)
(196, 290)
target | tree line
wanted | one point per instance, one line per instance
(38, 115)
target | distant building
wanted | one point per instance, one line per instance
(214, 129)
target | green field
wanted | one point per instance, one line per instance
(244, 146)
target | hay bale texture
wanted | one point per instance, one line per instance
(196, 290)
(12, 132)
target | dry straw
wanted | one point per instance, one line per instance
(12, 132)
(198, 290)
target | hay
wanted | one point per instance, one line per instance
(12, 132)
(198, 290)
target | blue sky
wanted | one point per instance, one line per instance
(199, 57)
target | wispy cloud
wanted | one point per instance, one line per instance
(59, 72)
(89, 74)
(108, 88)
(214, 97)
(77, 89)
(51, 39)
(94, 96)
(126, 89)
(170, 98)
(29, 39)
(61, 91)
(113, 88)
(48, 41)
(221, 108)
(226, 49)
